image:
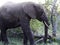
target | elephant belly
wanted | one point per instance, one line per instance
(13, 25)
(9, 25)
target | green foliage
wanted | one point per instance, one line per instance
(35, 24)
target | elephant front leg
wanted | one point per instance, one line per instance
(4, 36)
(25, 40)
(26, 28)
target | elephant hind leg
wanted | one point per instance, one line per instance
(4, 36)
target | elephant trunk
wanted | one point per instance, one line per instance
(46, 26)
(45, 20)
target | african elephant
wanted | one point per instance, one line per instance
(15, 15)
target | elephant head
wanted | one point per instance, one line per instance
(43, 18)
(36, 11)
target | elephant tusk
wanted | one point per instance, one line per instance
(46, 24)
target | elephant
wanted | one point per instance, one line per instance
(19, 15)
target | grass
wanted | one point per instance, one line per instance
(14, 41)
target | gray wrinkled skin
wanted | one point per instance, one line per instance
(15, 15)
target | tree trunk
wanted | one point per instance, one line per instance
(53, 18)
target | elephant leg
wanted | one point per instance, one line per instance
(26, 28)
(4, 36)
(0, 37)
(25, 40)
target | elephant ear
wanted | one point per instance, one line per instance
(29, 9)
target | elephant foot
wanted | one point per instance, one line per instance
(25, 44)
(33, 44)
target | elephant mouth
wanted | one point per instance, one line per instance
(46, 24)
